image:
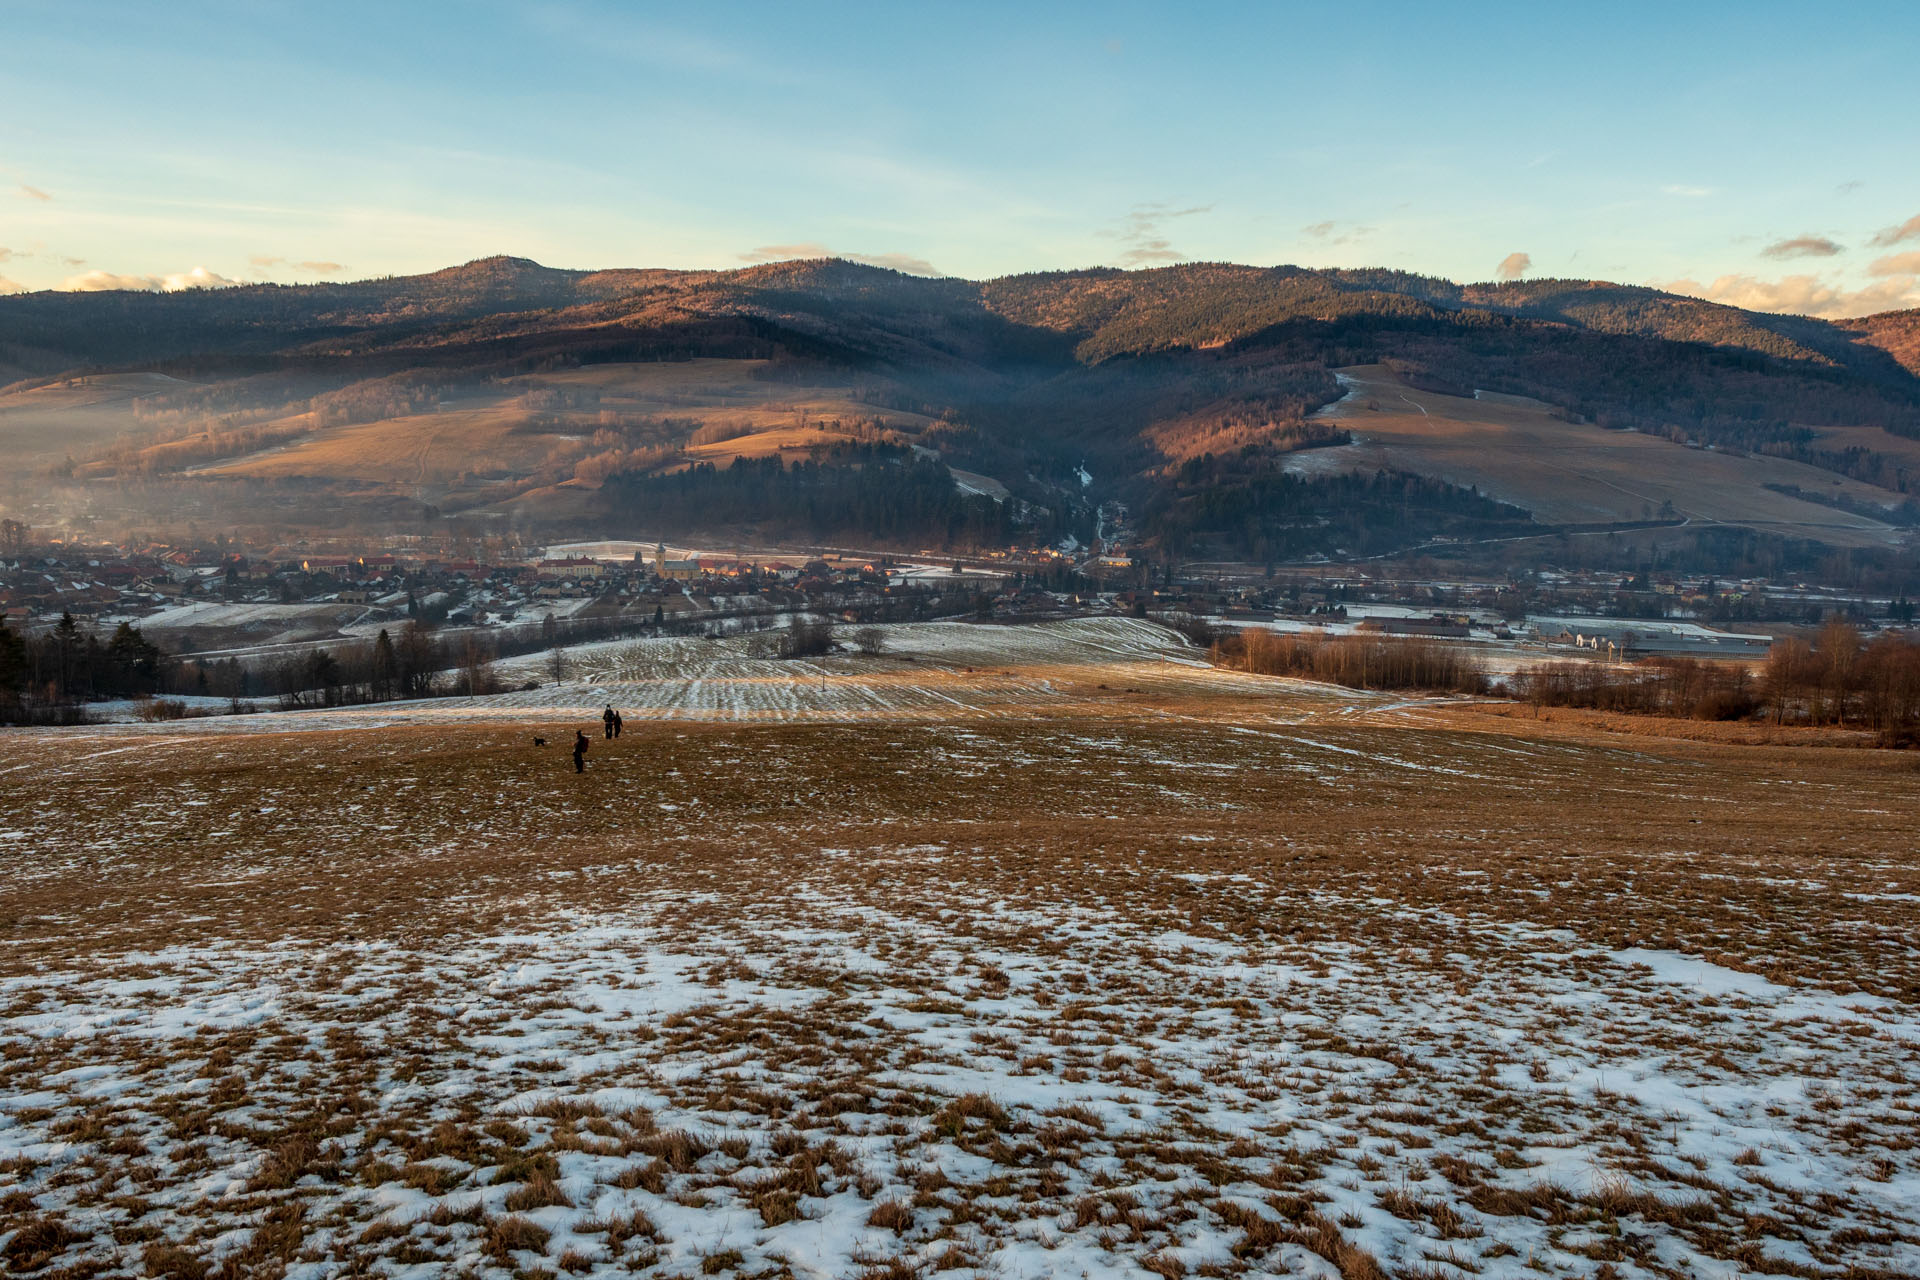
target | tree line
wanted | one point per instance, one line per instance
(1356, 661)
(1837, 678)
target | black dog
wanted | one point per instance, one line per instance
(539, 742)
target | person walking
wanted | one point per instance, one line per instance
(580, 745)
(607, 718)
(616, 724)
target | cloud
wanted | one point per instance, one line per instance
(787, 252)
(11, 286)
(903, 262)
(808, 249)
(1514, 265)
(267, 261)
(5, 253)
(1908, 230)
(1807, 246)
(33, 193)
(1805, 295)
(1330, 233)
(1896, 264)
(1144, 231)
(1848, 188)
(1691, 193)
(102, 281)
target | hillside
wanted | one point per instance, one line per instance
(472, 392)
(1895, 332)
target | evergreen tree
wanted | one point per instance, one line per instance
(386, 667)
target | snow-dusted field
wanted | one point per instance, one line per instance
(1221, 977)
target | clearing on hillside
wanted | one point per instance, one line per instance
(1519, 451)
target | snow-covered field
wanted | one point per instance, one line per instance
(926, 671)
(1217, 979)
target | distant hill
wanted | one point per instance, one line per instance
(1137, 375)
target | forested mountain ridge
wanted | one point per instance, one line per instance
(1102, 312)
(1185, 388)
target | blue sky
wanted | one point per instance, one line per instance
(1764, 154)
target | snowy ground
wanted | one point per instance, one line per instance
(1217, 980)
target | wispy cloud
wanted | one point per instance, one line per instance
(1848, 188)
(787, 252)
(33, 193)
(1896, 264)
(1805, 295)
(1336, 233)
(1908, 230)
(1690, 192)
(1514, 265)
(5, 253)
(1807, 246)
(102, 281)
(805, 249)
(1144, 232)
(902, 262)
(266, 261)
(11, 286)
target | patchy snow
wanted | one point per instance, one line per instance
(765, 1090)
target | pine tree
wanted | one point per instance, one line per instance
(385, 666)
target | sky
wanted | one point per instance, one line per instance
(1761, 154)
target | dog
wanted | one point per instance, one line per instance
(539, 742)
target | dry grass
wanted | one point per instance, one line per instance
(1204, 981)
(1571, 473)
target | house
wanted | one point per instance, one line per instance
(576, 567)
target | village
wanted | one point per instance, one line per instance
(223, 599)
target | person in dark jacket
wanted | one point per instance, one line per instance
(616, 724)
(607, 718)
(580, 745)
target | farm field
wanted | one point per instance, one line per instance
(1573, 473)
(1052, 951)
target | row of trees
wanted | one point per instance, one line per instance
(1837, 679)
(69, 662)
(1359, 662)
(51, 676)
